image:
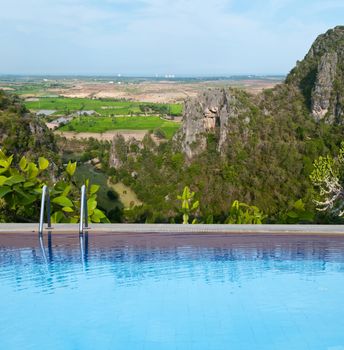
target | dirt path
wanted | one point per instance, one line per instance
(108, 135)
(105, 136)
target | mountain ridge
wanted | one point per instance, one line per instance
(257, 149)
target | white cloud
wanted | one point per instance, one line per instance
(148, 36)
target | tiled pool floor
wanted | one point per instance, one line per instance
(152, 291)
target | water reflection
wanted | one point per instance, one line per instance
(83, 240)
(55, 261)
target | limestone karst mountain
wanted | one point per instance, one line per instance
(318, 80)
(320, 76)
(257, 149)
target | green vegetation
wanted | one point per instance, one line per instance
(112, 206)
(103, 124)
(21, 187)
(266, 164)
(22, 133)
(104, 107)
(126, 195)
(265, 158)
(298, 214)
(188, 205)
(242, 213)
(328, 179)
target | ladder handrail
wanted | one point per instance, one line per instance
(45, 198)
(83, 211)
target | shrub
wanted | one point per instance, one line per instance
(159, 133)
(112, 195)
(21, 188)
(242, 213)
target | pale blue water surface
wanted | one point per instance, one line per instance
(171, 291)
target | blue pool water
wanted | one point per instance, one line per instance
(170, 291)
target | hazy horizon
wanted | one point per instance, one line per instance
(149, 37)
(143, 76)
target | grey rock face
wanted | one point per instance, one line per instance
(118, 153)
(210, 112)
(323, 87)
(320, 75)
(121, 150)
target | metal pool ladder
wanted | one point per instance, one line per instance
(83, 211)
(83, 224)
(45, 199)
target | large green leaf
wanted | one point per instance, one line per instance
(94, 189)
(23, 163)
(24, 198)
(3, 180)
(95, 218)
(42, 163)
(67, 209)
(91, 204)
(2, 155)
(4, 190)
(63, 201)
(195, 205)
(57, 217)
(4, 164)
(15, 179)
(66, 190)
(29, 184)
(32, 171)
(70, 169)
(99, 213)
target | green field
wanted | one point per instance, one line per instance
(126, 195)
(103, 124)
(105, 107)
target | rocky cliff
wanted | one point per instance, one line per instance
(320, 76)
(212, 112)
(235, 146)
(317, 81)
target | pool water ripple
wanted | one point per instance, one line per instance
(165, 291)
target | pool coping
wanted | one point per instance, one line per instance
(179, 228)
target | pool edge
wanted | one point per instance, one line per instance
(178, 228)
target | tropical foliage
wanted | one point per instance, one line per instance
(21, 187)
(328, 179)
(242, 213)
(188, 205)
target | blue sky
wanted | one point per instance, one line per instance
(182, 37)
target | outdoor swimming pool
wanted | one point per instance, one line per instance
(171, 291)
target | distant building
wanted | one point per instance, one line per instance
(45, 112)
(86, 113)
(57, 122)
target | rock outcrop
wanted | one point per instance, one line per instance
(211, 112)
(121, 150)
(323, 87)
(320, 76)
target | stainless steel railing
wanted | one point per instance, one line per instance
(83, 211)
(83, 224)
(45, 199)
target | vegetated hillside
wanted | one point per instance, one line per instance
(21, 132)
(320, 76)
(258, 149)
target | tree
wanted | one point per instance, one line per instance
(328, 178)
